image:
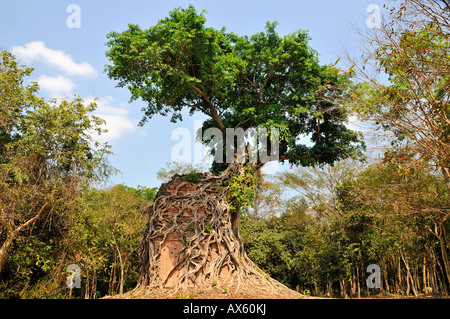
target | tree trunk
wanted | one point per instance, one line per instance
(94, 284)
(409, 278)
(12, 231)
(86, 292)
(316, 286)
(193, 240)
(432, 271)
(424, 276)
(4, 250)
(386, 282)
(343, 284)
(399, 274)
(353, 286)
(416, 280)
(441, 278)
(358, 282)
(443, 243)
(329, 288)
(122, 268)
(112, 275)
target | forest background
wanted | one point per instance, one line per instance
(391, 210)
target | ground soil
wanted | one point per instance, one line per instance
(216, 292)
(208, 292)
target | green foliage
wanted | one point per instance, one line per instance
(144, 192)
(241, 191)
(266, 245)
(414, 51)
(106, 236)
(262, 81)
(51, 216)
(208, 227)
(47, 160)
(381, 215)
(15, 96)
(192, 177)
(172, 168)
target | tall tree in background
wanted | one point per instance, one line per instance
(262, 81)
(105, 237)
(46, 154)
(319, 185)
(411, 46)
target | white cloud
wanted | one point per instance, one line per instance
(37, 50)
(117, 119)
(57, 86)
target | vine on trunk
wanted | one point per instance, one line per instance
(241, 191)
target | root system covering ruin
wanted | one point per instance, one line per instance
(190, 242)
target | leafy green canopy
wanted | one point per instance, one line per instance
(263, 81)
(49, 140)
(47, 159)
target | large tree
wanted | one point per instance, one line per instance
(46, 154)
(411, 47)
(262, 81)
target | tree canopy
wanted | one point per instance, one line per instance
(413, 48)
(47, 155)
(259, 81)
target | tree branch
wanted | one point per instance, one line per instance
(212, 108)
(24, 225)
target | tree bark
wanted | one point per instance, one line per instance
(12, 232)
(409, 279)
(385, 275)
(399, 274)
(212, 108)
(122, 268)
(446, 173)
(441, 276)
(4, 250)
(86, 292)
(358, 282)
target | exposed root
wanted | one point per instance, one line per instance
(191, 221)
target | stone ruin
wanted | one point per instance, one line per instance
(190, 242)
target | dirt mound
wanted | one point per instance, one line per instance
(192, 239)
(209, 292)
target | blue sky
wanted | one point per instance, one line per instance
(71, 61)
